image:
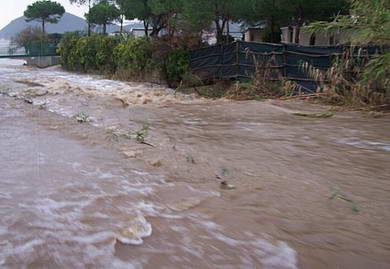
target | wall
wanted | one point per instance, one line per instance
(254, 35)
(43, 61)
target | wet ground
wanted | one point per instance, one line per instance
(300, 192)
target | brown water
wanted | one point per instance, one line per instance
(309, 193)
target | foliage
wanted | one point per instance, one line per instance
(103, 13)
(30, 37)
(134, 56)
(156, 14)
(126, 59)
(369, 23)
(67, 49)
(44, 11)
(184, 16)
(203, 13)
(141, 135)
(176, 66)
(93, 53)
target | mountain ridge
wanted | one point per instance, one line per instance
(68, 23)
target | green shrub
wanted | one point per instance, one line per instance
(104, 59)
(134, 56)
(130, 58)
(176, 66)
(93, 53)
(67, 48)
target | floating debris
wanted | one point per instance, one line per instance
(322, 115)
(226, 186)
(131, 154)
(337, 194)
(82, 117)
(156, 163)
(28, 100)
(185, 204)
(138, 229)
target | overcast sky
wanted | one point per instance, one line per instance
(12, 9)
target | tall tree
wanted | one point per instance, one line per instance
(155, 14)
(137, 9)
(274, 13)
(169, 12)
(122, 6)
(83, 2)
(103, 13)
(203, 13)
(28, 38)
(44, 11)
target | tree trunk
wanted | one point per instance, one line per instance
(158, 25)
(219, 29)
(89, 24)
(172, 28)
(146, 28)
(228, 30)
(43, 25)
(105, 29)
(300, 21)
(272, 29)
(121, 24)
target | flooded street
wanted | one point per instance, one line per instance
(138, 184)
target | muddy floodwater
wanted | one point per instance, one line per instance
(97, 173)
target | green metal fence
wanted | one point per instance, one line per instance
(31, 50)
(238, 60)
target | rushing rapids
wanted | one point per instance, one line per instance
(306, 193)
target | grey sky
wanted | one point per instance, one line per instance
(11, 9)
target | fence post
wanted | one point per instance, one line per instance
(221, 61)
(284, 61)
(238, 58)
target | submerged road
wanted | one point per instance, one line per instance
(300, 193)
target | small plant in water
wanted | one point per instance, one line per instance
(82, 117)
(141, 135)
(336, 193)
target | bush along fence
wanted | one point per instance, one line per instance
(240, 60)
(124, 58)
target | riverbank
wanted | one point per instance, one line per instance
(300, 192)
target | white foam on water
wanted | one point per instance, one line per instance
(279, 255)
(23, 249)
(254, 250)
(365, 144)
(94, 238)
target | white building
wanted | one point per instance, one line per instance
(254, 34)
(139, 32)
(289, 36)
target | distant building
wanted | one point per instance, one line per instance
(118, 33)
(139, 32)
(254, 34)
(233, 30)
(305, 38)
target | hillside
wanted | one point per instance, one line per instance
(68, 23)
